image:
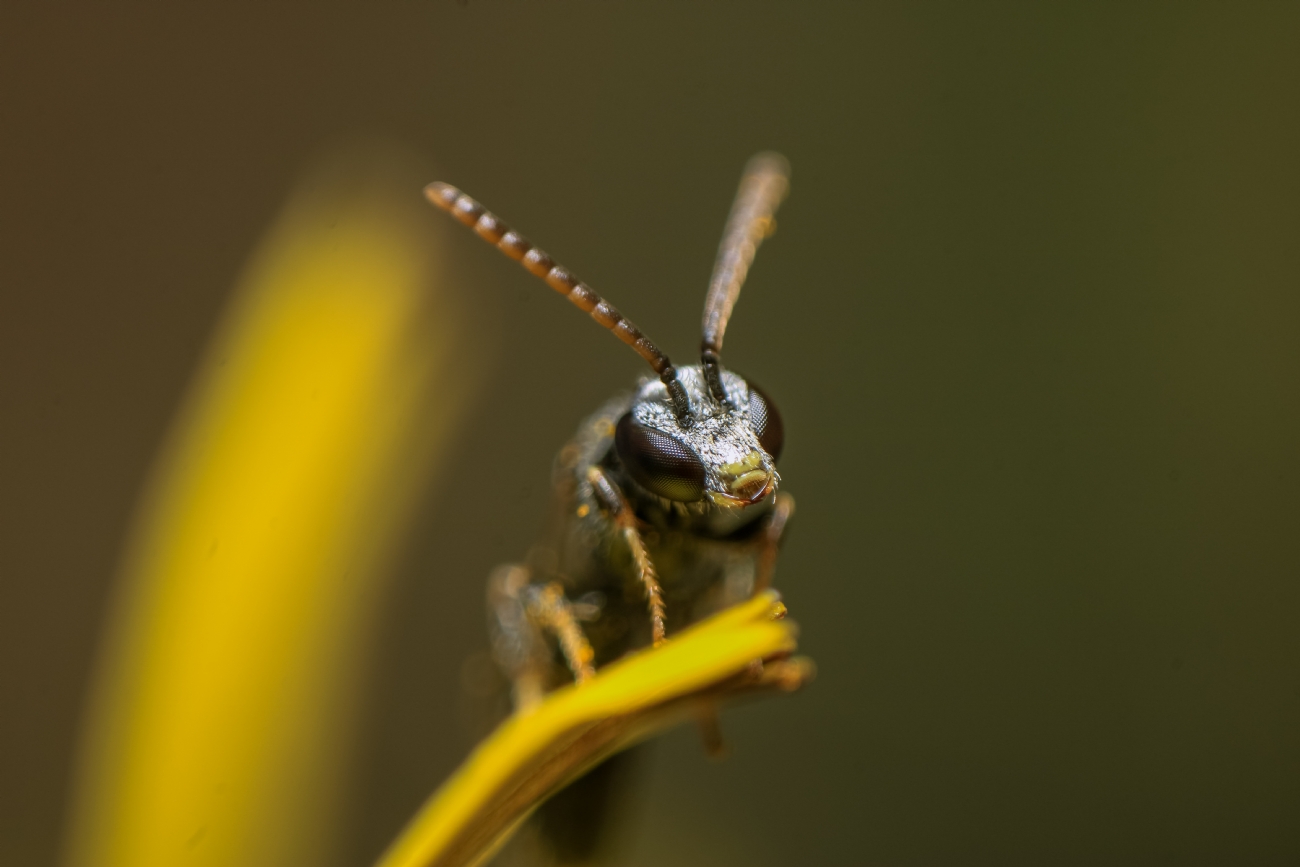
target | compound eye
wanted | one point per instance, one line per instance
(766, 421)
(660, 463)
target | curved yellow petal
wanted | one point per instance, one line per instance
(223, 703)
(535, 753)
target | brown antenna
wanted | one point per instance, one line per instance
(490, 228)
(762, 187)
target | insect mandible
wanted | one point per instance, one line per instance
(666, 503)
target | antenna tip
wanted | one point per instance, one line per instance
(442, 195)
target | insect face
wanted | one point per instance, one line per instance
(725, 453)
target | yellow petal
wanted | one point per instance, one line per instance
(222, 706)
(535, 753)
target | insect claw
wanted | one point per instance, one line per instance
(710, 727)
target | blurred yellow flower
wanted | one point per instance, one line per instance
(223, 698)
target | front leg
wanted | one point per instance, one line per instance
(521, 612)
(517, 643)
(611, 499)
(770, 541)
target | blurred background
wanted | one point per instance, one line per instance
(1031, 318)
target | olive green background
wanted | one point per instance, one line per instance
(1032, 317)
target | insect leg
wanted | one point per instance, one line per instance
(517, 644)
(710, 729)
(548, 606)
(770, 541)
(521, 611)
(613, 501)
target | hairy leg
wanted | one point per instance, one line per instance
(770, 541)
(521, 613)
(611, 499)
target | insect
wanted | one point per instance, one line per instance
(666, 504)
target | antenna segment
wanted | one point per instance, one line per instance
(762, 187)
(490, 228)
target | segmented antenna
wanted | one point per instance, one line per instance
(490, 228)
(762, 187)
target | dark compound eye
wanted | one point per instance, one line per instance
(766, 421)
(660, 463)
